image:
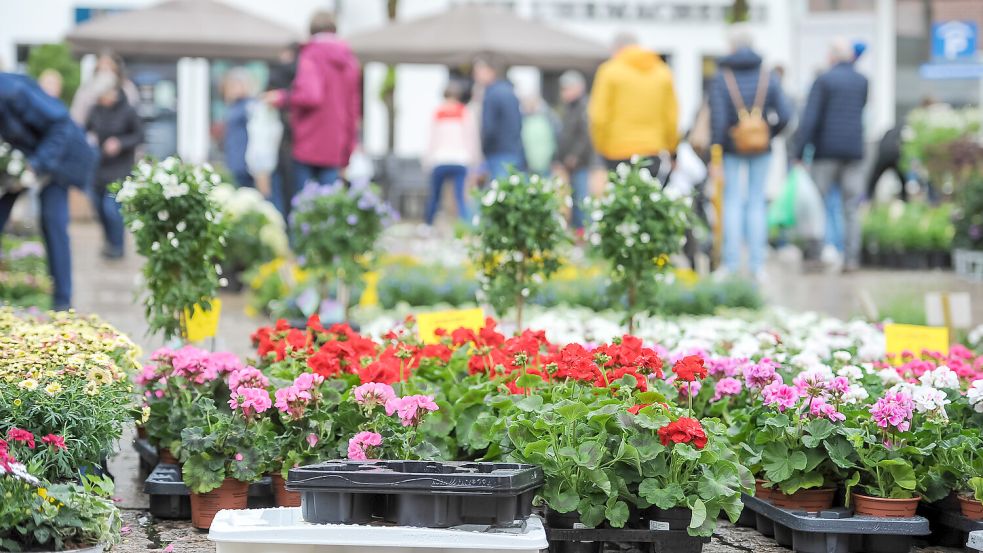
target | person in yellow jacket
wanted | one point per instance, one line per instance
(633, 109)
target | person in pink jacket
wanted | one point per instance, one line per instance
(324, 103)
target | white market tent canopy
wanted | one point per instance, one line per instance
(184, 28)
(456, 36)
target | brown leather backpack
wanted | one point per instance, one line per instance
(751, 134)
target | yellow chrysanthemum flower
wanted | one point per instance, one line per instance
(53, 389)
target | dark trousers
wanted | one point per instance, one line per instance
(440, 174)
(54, 229)
(110, 217)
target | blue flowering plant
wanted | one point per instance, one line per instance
(335, 229)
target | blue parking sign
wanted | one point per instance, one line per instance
(954, 40)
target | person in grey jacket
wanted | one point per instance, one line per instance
(833, 124)
(573, 149)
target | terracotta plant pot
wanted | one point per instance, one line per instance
(971, 508)
(232, 494)
(881, 507)
(142, 432)
(281, 496)
(165, 456)
(761, 491)
(812, 500)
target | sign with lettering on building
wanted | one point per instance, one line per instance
(954, 40)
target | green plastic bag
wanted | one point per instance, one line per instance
(781, 212)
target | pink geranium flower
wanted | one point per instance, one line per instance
(21, 435)
(759, 375)
(308, 381)
(362, 446)
(312, 439)
(820, 408)
(411, 409)
(780, 395)
(894, 409)
(252, 401)
(247, 377)
(372, 394)
(727, 386)
(292, 401)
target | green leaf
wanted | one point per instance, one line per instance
(647, 445)
(672, 495)
(537, 448)
(901, 471)
(699, 513)
(589, 455)
(572, 411)
(617, 513)
(779, 464)
(564, 502)
(529, 404)
(840, 451)
(600, 479)
(651, 421)
(724, 483)
(591, 515)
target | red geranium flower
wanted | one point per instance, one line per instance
(690, 368)
(636, 408)
(21, 435)
(682, 431)
(55, 440)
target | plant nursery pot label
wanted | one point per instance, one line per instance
(658, 526)
(428, 323)
(203, 324)
(915, 338)
(370, 296)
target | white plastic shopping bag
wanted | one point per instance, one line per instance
(265, 131)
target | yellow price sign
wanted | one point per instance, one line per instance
(370, 295)
(915, 338)
(428, 323)
(200, 324)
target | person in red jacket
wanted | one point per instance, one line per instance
(324, 104)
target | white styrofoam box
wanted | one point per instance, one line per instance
(975, 541)
(282, 530)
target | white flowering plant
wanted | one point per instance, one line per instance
(519, 235)
(180, 231)
(257, 232)
(636, 226)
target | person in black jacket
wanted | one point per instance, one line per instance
(114, 126)
(574, 151)
(833, 124)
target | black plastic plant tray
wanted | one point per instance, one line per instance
(170, 498)
(147, 453)
(587, 540)
(415, 493)
(836, 530)
(949, 527)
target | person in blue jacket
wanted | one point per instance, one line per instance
(745, 175)
(833, 124)
(501, 119)
(57, 152)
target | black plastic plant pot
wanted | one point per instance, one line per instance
(563, 540)
(748, 518)
(783, 535)
(415, 493)
(764, 526)
(676, 518)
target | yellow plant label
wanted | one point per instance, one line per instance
(428, 323)
(203, 324)
(915, 338)
(370, 296)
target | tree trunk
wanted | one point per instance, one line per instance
(631, 309)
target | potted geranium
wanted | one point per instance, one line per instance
(798, 441)
(225, 451)
(886, 483)
(305, 430)
(36, 515)
(179, 230)
(335, 229)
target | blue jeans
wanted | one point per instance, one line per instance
(834, 217)
(578, 186)
(278, 194)
(745, 215)
(110, 218)
(54, 229)
(499, 164)
(304, 173)
(440, 174)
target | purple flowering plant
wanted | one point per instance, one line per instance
(335, 229)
